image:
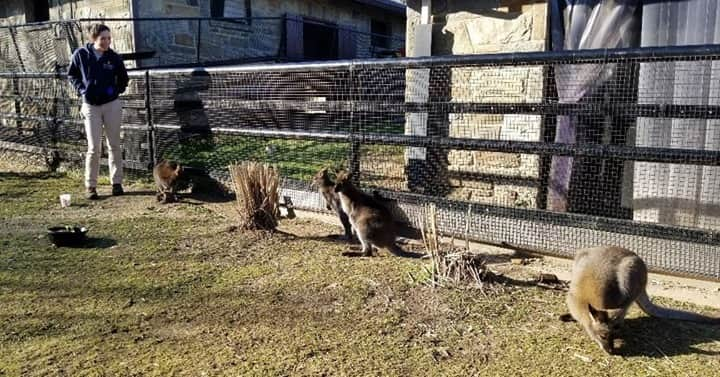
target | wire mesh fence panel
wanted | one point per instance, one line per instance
(9, 61)
(43, 112)
(550, 151)
(212, 119)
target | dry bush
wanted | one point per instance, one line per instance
(451, 265)
(256, 187)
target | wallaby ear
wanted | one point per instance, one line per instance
(336, 168)
(323, 172)
(341, 176)
(597, 315)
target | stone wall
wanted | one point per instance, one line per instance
(224, 40)
(342, 12)
(122, 32)
(176, 42)
(480, 27)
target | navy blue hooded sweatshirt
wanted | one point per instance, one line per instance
(98, 81)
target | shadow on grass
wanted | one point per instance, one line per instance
(92, 243)
(30, 175)
(660, 338)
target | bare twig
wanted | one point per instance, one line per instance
(451, 265)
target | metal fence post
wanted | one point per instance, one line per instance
(16, 81)
(16, 100)
(54, 112)
(149, 122)
(17, 48)
(199, 36)
(354, 153)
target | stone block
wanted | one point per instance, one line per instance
(180, 10)
(529, 166)
(471, 194)
(183, 39)
(460, 158)
(538, 12)
(497, 160)
(515, 196)
(497, 84)
(495, 48)
(476, 126)
(485, 187)
(487, 30)
(521, 127)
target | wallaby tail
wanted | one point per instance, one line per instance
(398, 251)
(657, 311)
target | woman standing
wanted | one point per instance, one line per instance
(99, 76)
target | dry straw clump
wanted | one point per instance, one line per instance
(256, 187)
(451, 265)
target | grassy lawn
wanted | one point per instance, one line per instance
(298, 159)
(173, 290)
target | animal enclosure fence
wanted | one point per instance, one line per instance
(550, 151)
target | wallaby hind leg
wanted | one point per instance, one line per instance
(366, 246)
(173, 195)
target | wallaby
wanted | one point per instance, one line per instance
(605, 281)
(332, 200)
(372, 221)
(166, 174)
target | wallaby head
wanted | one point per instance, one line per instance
(167, 175)
(322, 178)
(602, 328)
(343, 183)
(326, 186)
(168, 170)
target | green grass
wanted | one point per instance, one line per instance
(298, 159)
(170, 290)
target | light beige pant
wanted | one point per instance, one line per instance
(108, 115)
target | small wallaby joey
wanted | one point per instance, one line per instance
(605, 281)
(166, 174)
(372, 221)
(326, 186)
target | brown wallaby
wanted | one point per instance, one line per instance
(326, 186)
(605, 281)
(372, 221)
(166, 174)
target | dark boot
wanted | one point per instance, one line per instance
(91, 193)
(117, 189)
